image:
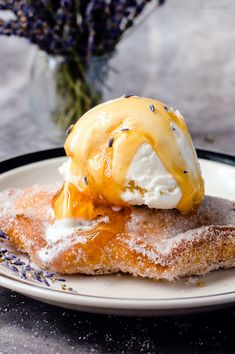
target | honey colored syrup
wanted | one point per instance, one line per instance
(102, 145)
(99, 239)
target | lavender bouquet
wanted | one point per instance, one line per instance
(82, 34)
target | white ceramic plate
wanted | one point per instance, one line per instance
(122, 294)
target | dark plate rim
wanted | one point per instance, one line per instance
(25, 159)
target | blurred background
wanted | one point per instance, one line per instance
(183, 54)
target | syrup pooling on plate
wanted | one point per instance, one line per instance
(102, 145)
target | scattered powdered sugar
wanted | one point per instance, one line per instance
(158, 237)
(169, 244)
(51, 213)
(142, 249)
(10, 197)
(191, 281)
(7, 199)
(48, 253)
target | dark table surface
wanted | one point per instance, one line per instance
(28, 326)
(192, 66)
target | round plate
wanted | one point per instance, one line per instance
(123, 294)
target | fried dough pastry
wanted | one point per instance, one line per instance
(159, 244)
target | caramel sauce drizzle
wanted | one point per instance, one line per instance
(102, 145)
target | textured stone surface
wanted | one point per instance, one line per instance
(184, 55)
(27, 326)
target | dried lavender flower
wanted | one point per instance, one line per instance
(60, 279)
(68, 26)
(46, 282)
(18, 262)
(27, 272)
(3, 235)
(127, 96)
(13, 268)
(49, 274)
(85, 180)
(27, 268)
(10, 257)
(152, 107)
(110, 142)
(23, 274)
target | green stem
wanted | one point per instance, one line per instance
(75, 93)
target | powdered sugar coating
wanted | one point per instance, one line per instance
(154, 243)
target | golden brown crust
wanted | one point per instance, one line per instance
(153, 243)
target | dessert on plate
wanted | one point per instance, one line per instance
(132, 200)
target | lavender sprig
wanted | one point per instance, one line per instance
(84, 34)
(68, 27)
(28, 272)
(3, 235)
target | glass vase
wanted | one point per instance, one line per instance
(63, 89)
